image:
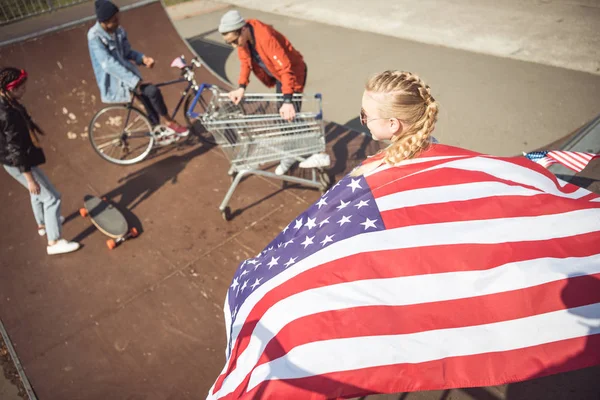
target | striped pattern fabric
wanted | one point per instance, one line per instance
(454, 269)
(574, 160)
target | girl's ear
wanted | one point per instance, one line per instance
(395, 126)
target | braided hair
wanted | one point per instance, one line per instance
(405, 96)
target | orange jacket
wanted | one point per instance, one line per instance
(284, 62)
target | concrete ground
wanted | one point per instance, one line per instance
(562, 33)
(490, 104)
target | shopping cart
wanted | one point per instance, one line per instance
(252, 134)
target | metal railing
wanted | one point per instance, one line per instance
(15, 10)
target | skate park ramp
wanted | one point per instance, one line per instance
(145, 321)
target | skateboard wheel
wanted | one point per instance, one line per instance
(111, 244)
(134, 232)
(83, 212)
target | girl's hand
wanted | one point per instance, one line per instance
(34, 187)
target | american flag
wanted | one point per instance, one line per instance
(574, 160)
(454, 269)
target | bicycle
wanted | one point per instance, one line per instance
(123, 134)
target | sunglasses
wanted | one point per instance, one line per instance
(234, 41)
(364, 120)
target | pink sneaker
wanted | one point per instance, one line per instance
(178, 129)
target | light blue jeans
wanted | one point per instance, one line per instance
(46, 205)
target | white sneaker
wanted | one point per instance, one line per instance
(62, 246)
(164, 136)
(318, 160)
(284, 166)
(42, 231)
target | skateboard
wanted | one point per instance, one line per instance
(107, 219)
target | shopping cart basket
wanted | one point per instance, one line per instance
(252, 134)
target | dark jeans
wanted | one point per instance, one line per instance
(297, 104)
(153, 102)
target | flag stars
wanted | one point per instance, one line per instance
(325, 221)
(244, 286)
(361, 204)
(298, 224)
(328, 239)
(235, 284)
(291, 261)
(345, 219)
(322, 202)
(343, 204)
(308, 241)
(256, 283)
(257, 265)
(244, 272)
(310, 223)
(285, 229)
(369, 224)
(253, 262)
(355, 184)
(288, 243)
(274, 261)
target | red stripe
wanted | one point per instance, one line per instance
(444, 177)
(407, 319)
(526, 163)
(455, 372)
(416, 261)
(436, 150)
(569, 161)
(397, 179)
(383, 178)
(483, 209)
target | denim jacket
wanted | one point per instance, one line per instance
(110, 55)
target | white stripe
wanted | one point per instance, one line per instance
(506, 171)
(583, 157)
(409, 290)
(363, 352)
(227, 316)
(451, 193)
(546, 162)
(419, 160)
(504, 230)
(597, 199)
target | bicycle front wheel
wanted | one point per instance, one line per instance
(121, 134)
(198, 128)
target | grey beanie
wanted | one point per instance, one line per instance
(231, 21)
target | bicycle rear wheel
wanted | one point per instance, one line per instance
(121, 134)
(196, 125)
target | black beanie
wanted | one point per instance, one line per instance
(105, 10)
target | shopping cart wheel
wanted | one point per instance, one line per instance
(226, 214)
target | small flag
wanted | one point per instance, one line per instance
(574, 160)
(178, 63)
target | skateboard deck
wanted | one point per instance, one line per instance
(107, 219)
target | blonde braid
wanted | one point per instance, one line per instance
(406, 97)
